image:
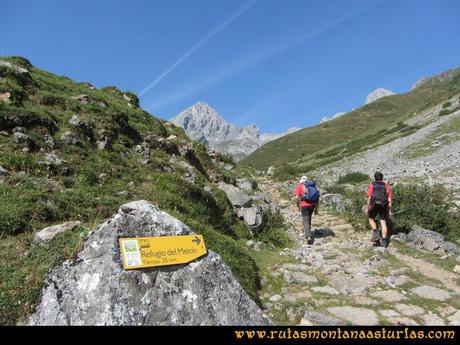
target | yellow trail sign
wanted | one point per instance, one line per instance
(142, 252)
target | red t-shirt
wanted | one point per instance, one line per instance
(370, 189)
(298, 192)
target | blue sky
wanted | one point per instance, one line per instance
(275, 63)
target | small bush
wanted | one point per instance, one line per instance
(285, 172)
(445, 112)
(354, 177)
(133, 97)
(275, 231)
(52, 100)
(427, 207)
(446, 105)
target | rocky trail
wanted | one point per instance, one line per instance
(343, 279)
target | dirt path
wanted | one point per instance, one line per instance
(342, 278)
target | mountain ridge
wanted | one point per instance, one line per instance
(204, 124)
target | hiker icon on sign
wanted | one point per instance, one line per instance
(145, 244)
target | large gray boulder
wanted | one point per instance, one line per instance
(430, 240)
(94, 289)
(245, 184)
(335, 201)
(254, 217)
(237, 197)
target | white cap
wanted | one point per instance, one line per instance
(303, 179)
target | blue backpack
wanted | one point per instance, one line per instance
(311, 193)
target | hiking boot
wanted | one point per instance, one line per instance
(310, 240)
(376, 236)
(385, 242)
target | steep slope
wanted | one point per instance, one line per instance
(204, 124)
(381, 121)
(71, 152)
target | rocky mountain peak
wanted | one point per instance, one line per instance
(203, 123)
(378, 93)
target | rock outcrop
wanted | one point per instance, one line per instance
(94, 289)
(378, 93)
(428, 240)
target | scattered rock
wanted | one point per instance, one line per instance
(47, 234)
(430, 292)
(430, 240)
(312, 318)
(21, 138)
(83, 99)
(326, 289)
(388, 313)
(275, 298)
(302, 278)
(293, 313)
(363, 300)
(348, 284)
(5, 97)
(49, 141)
(94, 289)
(389, 295)
(395, 281)
(446, 310)
(244, 184)
(409, 310)
(335, 201)
(297, 296)
(454, 320)
(254, 217)
(271, 170)
(51, 160)
(457, 269)
(3, 171)
(235, 195)
(432, 320)
(4, 133)
(357, 316)
(70, 138)
(74, 121)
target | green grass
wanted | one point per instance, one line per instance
(353, 178)
(358, 130)
(92, 184)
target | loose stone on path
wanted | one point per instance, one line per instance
(430, 292)
(357, 316)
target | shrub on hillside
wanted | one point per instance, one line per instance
(354, 177)
(285, 172)
(427, 207)
(275, 231)
(49, 99)
(446, 105)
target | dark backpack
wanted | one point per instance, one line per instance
(379, 194)
(311, 193)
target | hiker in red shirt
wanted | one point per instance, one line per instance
(307, 199)
(379, 202)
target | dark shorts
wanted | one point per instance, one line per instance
(380, 210)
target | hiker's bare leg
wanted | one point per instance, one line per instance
(383, 223)
(372, 223)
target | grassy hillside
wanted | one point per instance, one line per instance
(361, 129)
(110, 153)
